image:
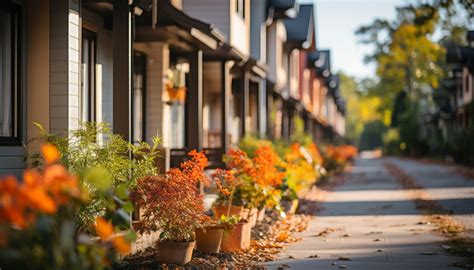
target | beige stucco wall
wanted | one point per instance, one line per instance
(37, 68)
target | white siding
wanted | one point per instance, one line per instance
(64, 63)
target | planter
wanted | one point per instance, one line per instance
(170, 252)
(253, 214)
(289, 206)
(209, 239)
(261, 214)
(220, 210)
(238, 238)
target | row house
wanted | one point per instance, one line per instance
(201, 74)
(460, 82)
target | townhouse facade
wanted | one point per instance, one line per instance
(200, 74)
(460, 82)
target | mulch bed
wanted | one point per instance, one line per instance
(268, 239)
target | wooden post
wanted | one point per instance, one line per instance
(226, 88)
(262, 108)
(244, 103)
(194, 134)
(270, 121)
(122, 68)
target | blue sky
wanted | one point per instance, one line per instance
(336, 22)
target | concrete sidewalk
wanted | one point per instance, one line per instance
(367, 223)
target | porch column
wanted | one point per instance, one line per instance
(270, 121)
(226, 89)
(262, 108)
(244, 103)
(122, 68)
(193, 129)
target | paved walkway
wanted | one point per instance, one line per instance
(370, 223)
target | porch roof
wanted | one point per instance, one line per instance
(164, 22)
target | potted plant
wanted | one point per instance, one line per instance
(238, 231)
(209, 237)
(172, 204)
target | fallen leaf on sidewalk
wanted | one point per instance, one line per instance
(325, 232)
(346, 235)
(291, 257)
(314, 256)
(423, 223)
(377, 240)
(372, 233)
(446, 247)
(342, 258)
(429, 253)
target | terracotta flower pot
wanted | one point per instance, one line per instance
(220, 210)
(209, 239)
(253, 213)
(175, 252)
(261, 214)
(238, 238)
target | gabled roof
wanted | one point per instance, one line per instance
(281, 9)
(321, 61)
(300, 30)
(460, 55)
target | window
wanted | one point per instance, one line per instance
(89, 61)
(174, 109)
(138, 97)
(240, 8)
(10, 74)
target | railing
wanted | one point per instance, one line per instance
(213, 154)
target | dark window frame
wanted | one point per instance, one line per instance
(91, 73)
(15, 11)
(240, 8)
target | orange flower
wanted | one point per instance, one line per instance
(50, 153)
(39, 199)
(121, 245)
(103, 228)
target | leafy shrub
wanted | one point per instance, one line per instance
(461, 145)
(37, 222)
(93, 150)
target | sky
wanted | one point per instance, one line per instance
(336, 23)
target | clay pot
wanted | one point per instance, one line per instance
(253, 214)
(220, 210)
(208, 239)
(170, 252)
(237, 238)
(261, 214)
